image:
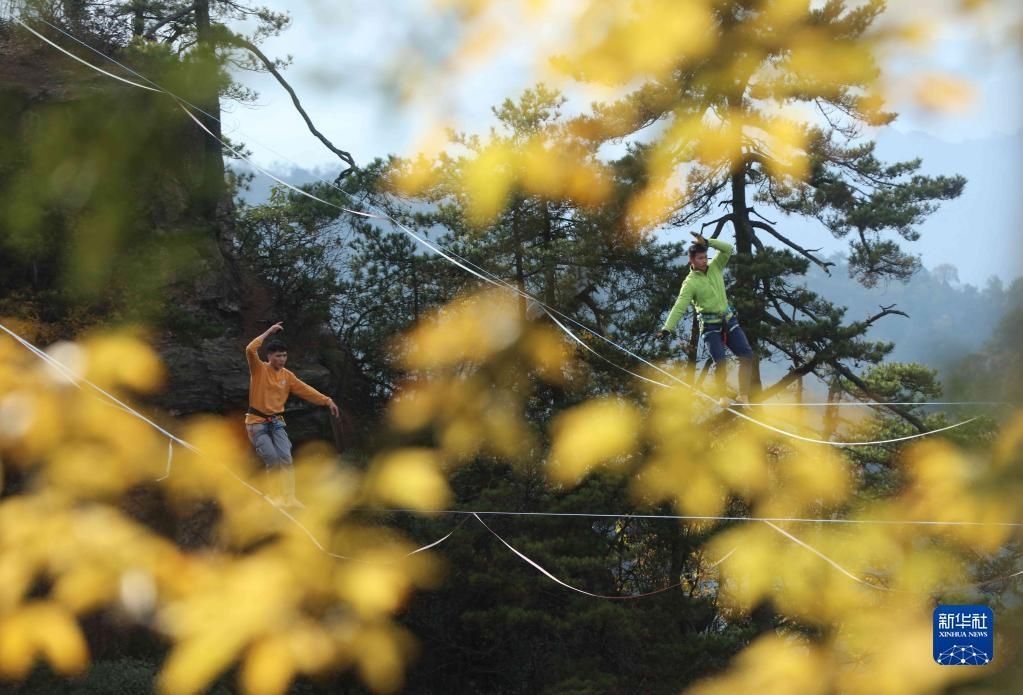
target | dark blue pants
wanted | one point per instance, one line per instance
(714, 337)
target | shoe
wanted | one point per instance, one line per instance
(278, 501)
(725, 402)
(293, 503)
(741, 400)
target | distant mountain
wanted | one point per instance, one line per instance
(978, 233)
(258, 190)
(948, 319)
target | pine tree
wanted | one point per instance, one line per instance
(574, 257)
(721, 121)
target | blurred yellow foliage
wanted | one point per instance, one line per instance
(650, 37)
(409, 478)
(774, 665)
(601, 431)
(945, 93)
(44, 629)
(284, 609)
(866, 587)
(719, 79)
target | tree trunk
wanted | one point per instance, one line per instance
(548, 256)
(74, 10)
(520, 274)
(138, 22)
(745, 278)
(208, 99)
(415, 289)
(831, 412)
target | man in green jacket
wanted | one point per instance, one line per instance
(704, 287)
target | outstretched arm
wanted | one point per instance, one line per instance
(252, 349)
(308, 393)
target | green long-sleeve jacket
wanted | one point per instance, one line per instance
(706, 290)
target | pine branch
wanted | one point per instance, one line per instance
(865, 388)
(889, 310)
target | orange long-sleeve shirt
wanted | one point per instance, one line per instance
(269, 388)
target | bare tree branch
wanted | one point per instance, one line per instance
(720, 222)
(889, 310)
(272, 69)
(164, 21)
(754, 211)
(808, 253)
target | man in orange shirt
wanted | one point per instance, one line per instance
(270, 384)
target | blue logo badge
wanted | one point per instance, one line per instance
(964, 635)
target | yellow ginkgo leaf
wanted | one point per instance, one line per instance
(269, 667)
(121, 360)
(945, 93)
(194, 663)
(17, 652)
(382, 651)
(409, 478)
(772, 664)
(59, 638)
(373, 587)
(599, 431)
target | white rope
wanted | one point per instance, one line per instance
(755, 421)
(85, 62)
(464, 266)
(870, 404)
(860, 580)
(702, 517)
(57, 366)
(825, 558)
(78, 379)
(170, 456)
(607, 597)
(783, 532)
(192, 105)
(577, 339)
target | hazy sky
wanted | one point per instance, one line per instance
(352, 59)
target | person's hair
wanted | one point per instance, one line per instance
(276, 346)
(696, 248)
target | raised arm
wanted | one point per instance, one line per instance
(724, 250)
(252, 349)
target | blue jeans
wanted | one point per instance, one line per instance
(714, 337)
(271, 442)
